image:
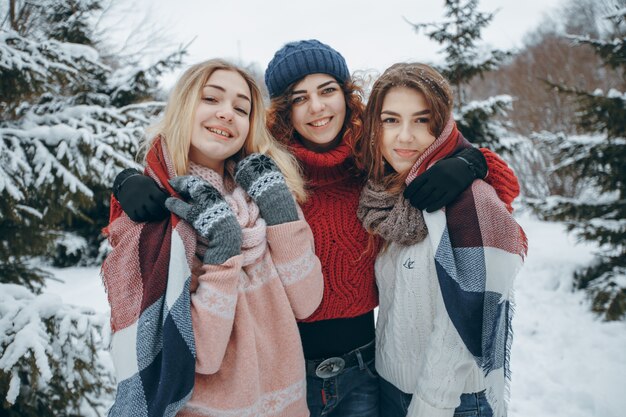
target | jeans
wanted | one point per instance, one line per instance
(351, 393)
(395, 403)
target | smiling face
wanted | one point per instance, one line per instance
(318, 110)
(221, 119)
(404, 118)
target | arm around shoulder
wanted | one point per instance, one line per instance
(501, 177)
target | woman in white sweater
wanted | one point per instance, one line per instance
(445, 278)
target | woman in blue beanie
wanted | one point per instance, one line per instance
(318, 112)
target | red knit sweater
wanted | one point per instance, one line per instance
(341, 242)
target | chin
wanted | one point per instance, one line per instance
(403, 168)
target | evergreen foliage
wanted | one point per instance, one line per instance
(459, 34)
(51, 364)
(601, 160)
(70, 120)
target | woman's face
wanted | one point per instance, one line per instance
(221, 120)
(318, 110)
(404, 118)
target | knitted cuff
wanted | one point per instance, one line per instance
(121, 178)
(476, 161)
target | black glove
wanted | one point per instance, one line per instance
(140, 196)
(442, 183)
(263, 181)
(210, 215)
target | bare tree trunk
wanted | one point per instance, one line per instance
(12, 21)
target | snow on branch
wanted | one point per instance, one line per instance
(62, 340)
(79, 145)
(42, 59)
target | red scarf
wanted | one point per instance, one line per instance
(147, 277)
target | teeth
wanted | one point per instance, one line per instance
(319, 123)
(219, 132)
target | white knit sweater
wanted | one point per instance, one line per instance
(417, 347)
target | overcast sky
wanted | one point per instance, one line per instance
(370, 34)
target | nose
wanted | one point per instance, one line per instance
(405, 134)
(225, 114)
(316, 104)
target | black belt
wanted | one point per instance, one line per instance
(329, 367)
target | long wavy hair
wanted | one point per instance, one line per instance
(176, 124)
(438, 95)
(280, 125)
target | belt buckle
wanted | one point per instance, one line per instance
(330, 367)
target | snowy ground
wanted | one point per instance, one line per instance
(565, 362)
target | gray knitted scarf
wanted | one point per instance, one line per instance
(390, 216)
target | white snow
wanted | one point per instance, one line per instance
(565, 361)
(80, 286)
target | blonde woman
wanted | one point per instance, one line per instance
(204, 303)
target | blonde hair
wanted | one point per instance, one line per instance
(176, 124)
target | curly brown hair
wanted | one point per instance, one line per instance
(279, 117)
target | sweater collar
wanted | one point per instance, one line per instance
(324, 167)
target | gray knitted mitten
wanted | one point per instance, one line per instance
(209, 214)
(263, 181)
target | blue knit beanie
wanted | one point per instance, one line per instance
(298, 59)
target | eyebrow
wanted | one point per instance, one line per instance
(417, 113)
(222, 89)
(322, 85)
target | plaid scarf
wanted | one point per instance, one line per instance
(147, 277)
(479, 249)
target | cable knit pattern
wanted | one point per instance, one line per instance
(417, 347)
(341, 242)
(249, 356)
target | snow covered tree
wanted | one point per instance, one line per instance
(599, 215)
(51, 362)
(69, 122)
(459, 33)
(71, 117)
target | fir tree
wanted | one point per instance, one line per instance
(70, 120)
(599, 216)
(459, 33)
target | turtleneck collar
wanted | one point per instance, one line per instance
(324, 167)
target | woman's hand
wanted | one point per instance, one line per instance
(140, 196)
(442, 183)
(209, 214)
(259, 176)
